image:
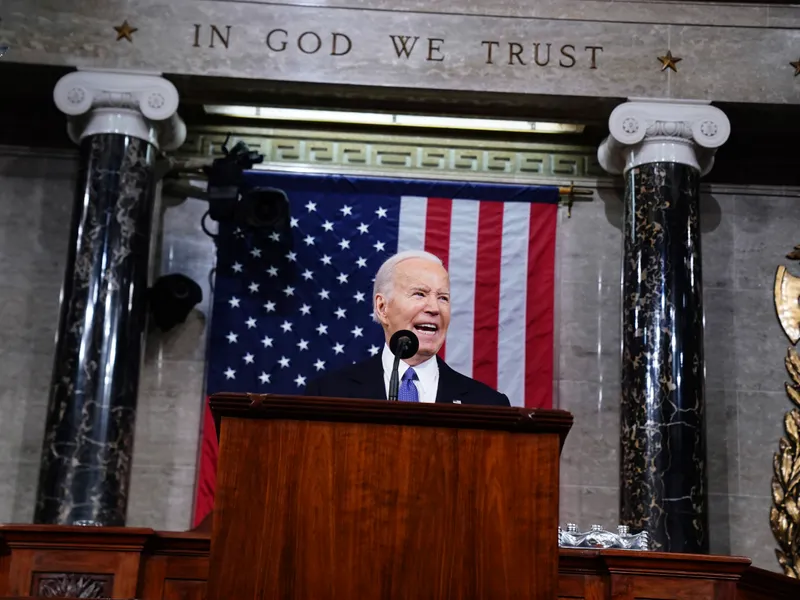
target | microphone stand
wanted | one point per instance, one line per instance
(394, 380)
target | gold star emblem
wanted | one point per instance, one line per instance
(669, 61)
(125, 31)
(796, 65)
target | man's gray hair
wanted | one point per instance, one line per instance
(384, 279)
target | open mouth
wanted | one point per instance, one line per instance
(426, 329)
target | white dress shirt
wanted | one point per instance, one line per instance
(427, 381)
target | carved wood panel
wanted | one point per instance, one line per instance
(175, 577)
(72, 585)
(581, 587)
(629, 587)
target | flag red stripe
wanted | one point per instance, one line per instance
(487, 292)
(437, 234)
(539, 307)
(207, 468)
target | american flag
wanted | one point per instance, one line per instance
(292, 305)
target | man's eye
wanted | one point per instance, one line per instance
(444, 298)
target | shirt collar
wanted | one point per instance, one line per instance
(429, 366)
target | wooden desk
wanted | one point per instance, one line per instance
(152, 565)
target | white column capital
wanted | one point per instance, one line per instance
(680, 131)
(141, 105)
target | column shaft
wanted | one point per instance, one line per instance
(663, 455)
(663, 147)
(88, 444)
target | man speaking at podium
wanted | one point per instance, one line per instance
(411, 293)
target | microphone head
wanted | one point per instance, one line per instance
(408, 348)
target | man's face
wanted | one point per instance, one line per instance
(419, 302)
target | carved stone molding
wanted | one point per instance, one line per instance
(384, 155)
(140, 105)
(644, 131)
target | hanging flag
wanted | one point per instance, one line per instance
(292, 305)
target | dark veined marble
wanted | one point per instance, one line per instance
(663, 487)
(88, 444)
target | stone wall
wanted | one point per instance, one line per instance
(746, 233)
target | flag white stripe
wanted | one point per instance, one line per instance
(513, 300)
(413, 213)
(463, 258)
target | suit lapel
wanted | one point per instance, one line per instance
(370, 379)
(370, 384)
(449, 389)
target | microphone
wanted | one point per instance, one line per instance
(403, 344)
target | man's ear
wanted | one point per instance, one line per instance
(380, 308)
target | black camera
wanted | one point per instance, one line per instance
(171, 299)
(225, 178)
(230, 202)
(263, 208)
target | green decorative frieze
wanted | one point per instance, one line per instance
(342, 152)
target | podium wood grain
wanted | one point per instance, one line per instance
(353, 499)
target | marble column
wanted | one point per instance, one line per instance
(663, 148)
(120, 121)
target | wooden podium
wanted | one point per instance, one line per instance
(343, 499)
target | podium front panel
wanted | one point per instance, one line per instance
(344, 511)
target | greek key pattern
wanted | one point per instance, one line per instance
(380, 154)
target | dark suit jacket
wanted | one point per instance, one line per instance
(365, 380)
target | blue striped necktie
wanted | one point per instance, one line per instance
(408, 391)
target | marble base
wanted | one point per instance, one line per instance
(88, 443)
(663, 449)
